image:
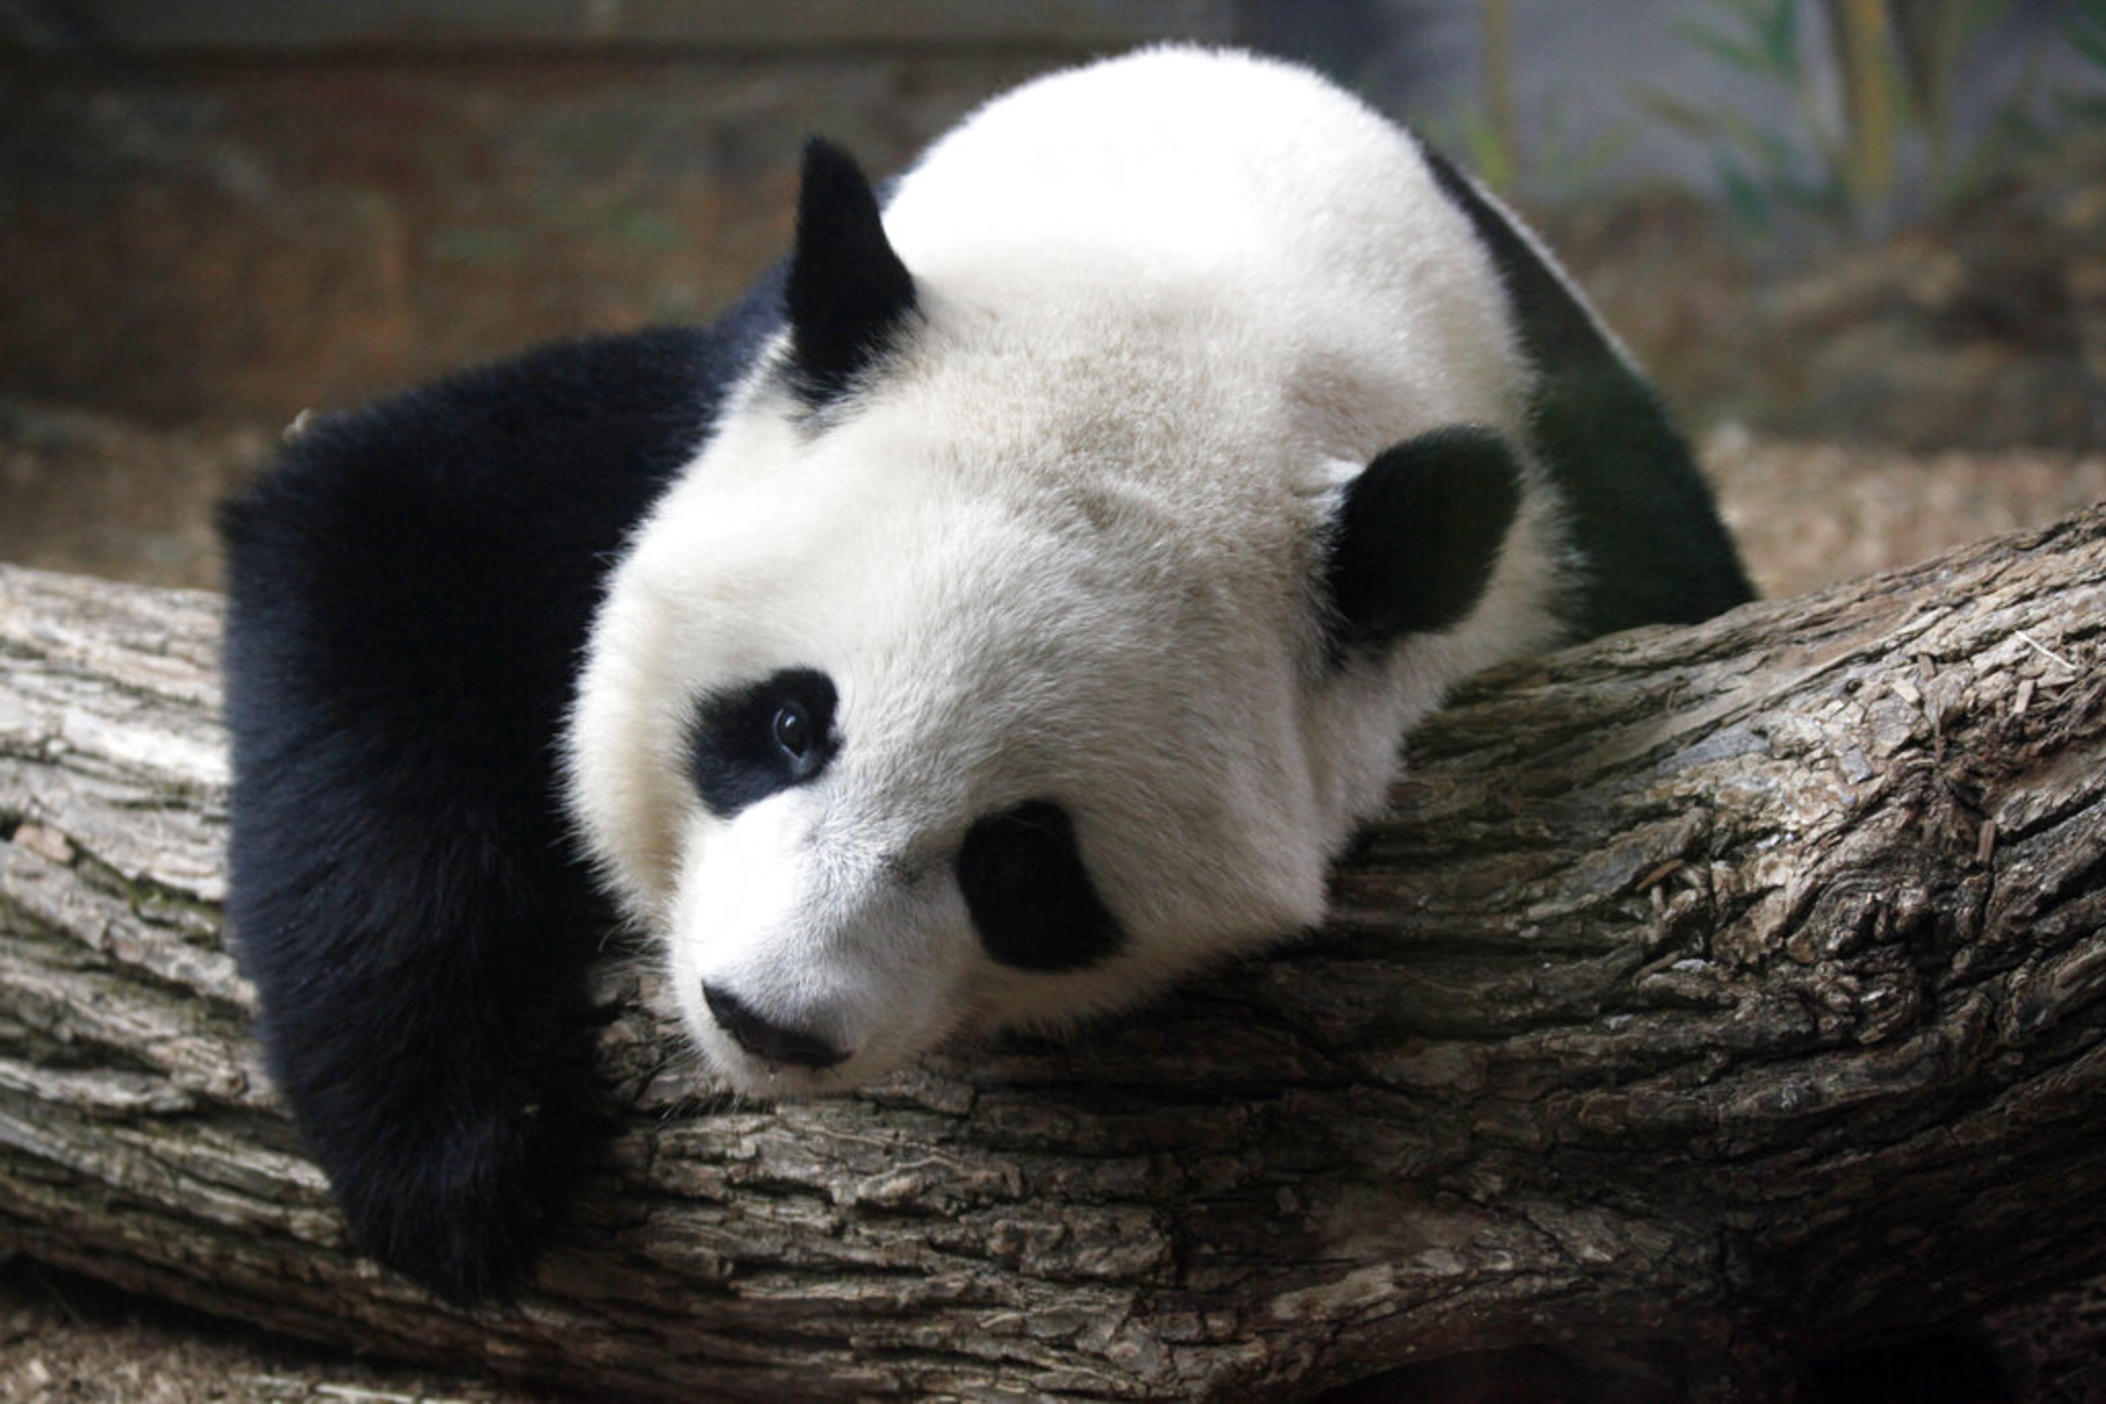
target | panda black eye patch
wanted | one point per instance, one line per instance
(746, 743)
(1028, 893)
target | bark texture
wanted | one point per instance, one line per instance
(1710, 997)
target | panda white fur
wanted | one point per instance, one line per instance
(1019, 598)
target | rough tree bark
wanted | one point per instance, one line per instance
(1710, 997)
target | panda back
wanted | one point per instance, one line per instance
(1637, 513)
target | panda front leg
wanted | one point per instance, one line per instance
(400, 894)
(434, 1054)
(408, 591)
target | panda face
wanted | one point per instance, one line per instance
(940, 741)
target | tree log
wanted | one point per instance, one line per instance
(1709, 997)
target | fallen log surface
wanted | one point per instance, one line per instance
(1710, 997)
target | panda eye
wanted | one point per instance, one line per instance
(1021, 862)
(747, 742)
(793, 730)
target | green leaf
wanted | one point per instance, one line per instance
(2084, 107)
(1734, 53)
(1780, 36)
(1678, 112)
(1749, 203)
(2089, 40)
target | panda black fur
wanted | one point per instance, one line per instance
(1011, 604)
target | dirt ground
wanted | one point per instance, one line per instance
(65, 1338)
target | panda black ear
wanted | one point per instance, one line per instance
(1418, 533)
(847, 291)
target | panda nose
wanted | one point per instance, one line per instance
(772, 1043)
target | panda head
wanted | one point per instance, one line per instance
(997, 661)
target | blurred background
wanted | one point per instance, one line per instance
(1861, 243)
(1871, 223)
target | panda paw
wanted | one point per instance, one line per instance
(465, 1213)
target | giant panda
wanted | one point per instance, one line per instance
(1012, 604)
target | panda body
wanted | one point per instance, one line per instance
(1018, 609)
